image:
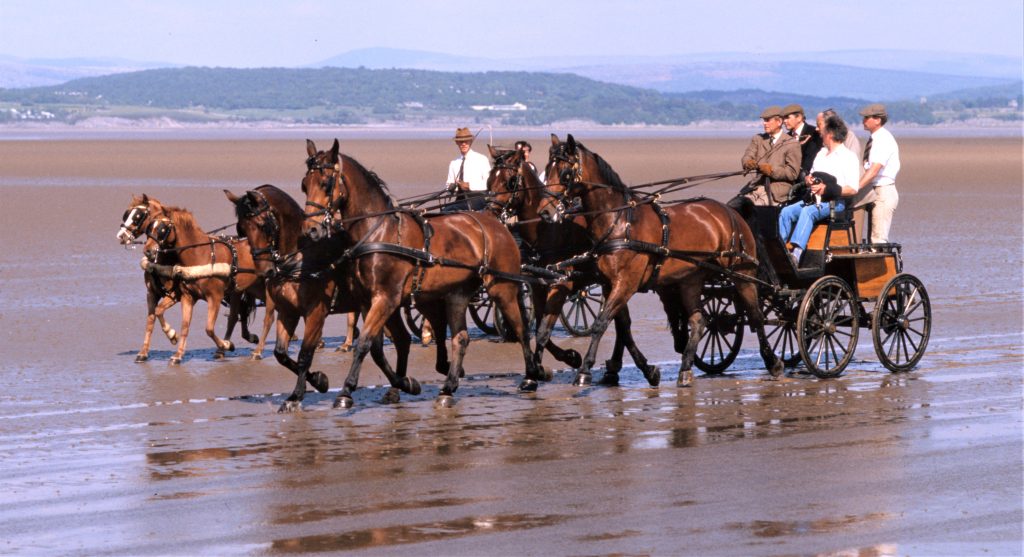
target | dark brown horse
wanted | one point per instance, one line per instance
(641, 245)
(396, 255)
(302, 286)
(517, 191)
(163, 290)
(208, 268)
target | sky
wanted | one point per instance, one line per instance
(261, 33)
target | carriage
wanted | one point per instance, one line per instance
(814, 312)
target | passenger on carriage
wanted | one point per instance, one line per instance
(806, 134)
(467, 174)
(834, 176)
(776, 158)
(881, 165)
(526, 148)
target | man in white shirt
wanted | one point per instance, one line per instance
(865, 196)
(833, 175)
(881, 165)
(467, 174)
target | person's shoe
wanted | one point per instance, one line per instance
(795, 260)
(426, 334)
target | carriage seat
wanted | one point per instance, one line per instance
(837, 230)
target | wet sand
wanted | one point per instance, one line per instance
(102, 456)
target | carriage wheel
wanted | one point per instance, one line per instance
(902, 323)
(723, 330)
(481, 311)
(413, 320)
(827, 327)
(499, 318)
(780, 327)
(581, 309)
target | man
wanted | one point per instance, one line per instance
(833, 175)
(865, 196)
(776, 158)
(805, 134)
(881, 165)
(467, 174)
(526, 148)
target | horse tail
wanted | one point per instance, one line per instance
(247, 308)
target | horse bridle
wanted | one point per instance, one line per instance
(506, 210)
(334, 176)
(270, 227)
(568, 178)
(138, 215)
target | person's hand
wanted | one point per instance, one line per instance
(463, 185)
(817, 187)
(810, 180)
(765, 168)
(450, 188)
(749, 164)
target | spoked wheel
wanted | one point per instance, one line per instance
(827, 327)
(780, 327)
(581, 309)
(901, 323)
(526, 295)
(413, 320)
(723, 330)
(481, 311)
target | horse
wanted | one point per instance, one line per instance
(208, 268)
(517, 191)
(163, 291)
(301, 288)
(396, 255)
(641, 245)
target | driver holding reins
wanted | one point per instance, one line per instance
(775, 158)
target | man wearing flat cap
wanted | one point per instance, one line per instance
(467, 174)
(805, 134)
(775, 159)
(881, 165)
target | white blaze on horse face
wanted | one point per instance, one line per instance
(124, 234)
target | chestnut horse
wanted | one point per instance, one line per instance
(640, 244)
(302, 288)
(517, 191)
(396, 255)
(208, 268)
(163, 291)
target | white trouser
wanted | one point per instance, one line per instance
(887, 198)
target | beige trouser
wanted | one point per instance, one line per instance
(881, 214)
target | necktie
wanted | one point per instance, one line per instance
(771, 141)
(867, 149)
(462, 167)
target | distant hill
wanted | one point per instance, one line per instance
(24, 72)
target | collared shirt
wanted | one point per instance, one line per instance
(885, 152)
(476, 171)
(841, 163)
(795, 132)
(774, 139)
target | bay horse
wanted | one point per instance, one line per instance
(517, 191)
(208, 268)
(163, 290)
(641, 245)
(303, 287)
(396, 255)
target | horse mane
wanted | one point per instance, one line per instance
(183, 219)
(286, 203)
(374, 179)
(609, 176)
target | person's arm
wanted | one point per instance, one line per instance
(748, 161)
(870, 175)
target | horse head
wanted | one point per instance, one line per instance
(564, 175)
(324, 186)
(260, 224)
(138, 218)
(506, 182)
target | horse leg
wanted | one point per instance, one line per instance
(568, 356)
(689, 297)
(381, 307)
(456, 306)
(234, 316)
(268, 321)
(313, 327)
(151, 304)
(247, 307)
(434, 313)
(398, 379)
(350, 333)
(165, 304)
(624, 339)
(187, 303)
(286, 325)
(746, 296)
(506, 296)
(212, 305)
(615, 301)
(672, 304)
(551, 309)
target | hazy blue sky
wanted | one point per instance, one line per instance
(263, 33)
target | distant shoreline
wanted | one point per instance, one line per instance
(115, 128)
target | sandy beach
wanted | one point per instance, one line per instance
(103, 456)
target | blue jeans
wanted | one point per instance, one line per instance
(804, 217)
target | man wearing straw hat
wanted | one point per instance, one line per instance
(467, 174)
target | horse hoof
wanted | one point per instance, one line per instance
(252, 339)
(442, 368)
(218, 355)
(653, 375)
(613, 366)
(343, 402)
(609, 379)
(344, 348)
(528, 386)
(445, 401)
(290, 406)
(685, 379)
(573, 359)
(256, 356)
(139, 358)
(318, 380)
(582, 380)
(777, 368)
(392, 396)
(172, 337)
(544, 374)
(175, 361)
(411, 386)
(230, 346)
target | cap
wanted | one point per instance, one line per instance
(876, 109)
(771, 112)
(792, 109)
